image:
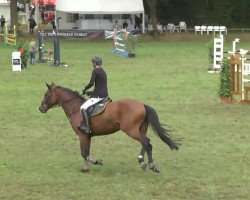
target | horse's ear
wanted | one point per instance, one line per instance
(48, 86)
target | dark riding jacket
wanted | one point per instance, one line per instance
(99, 79)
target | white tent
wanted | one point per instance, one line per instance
(101, 7)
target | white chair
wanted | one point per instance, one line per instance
(170, 28)
(223, 29)
(197, 29)
(150, 27)
(176, 28)
(216, 29)
(210, 29)
(183, 26)
(203, 29)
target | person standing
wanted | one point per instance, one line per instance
(32, 51)
(2, 20)
(116, 25)
(99, 81)
(137, 22)
(125, 24)
(32, 24)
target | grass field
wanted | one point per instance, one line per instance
(40, 155)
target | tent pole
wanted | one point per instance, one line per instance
(143, 22)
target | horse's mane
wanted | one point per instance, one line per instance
(74, 93)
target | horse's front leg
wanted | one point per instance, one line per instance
(95, 161)
(85, 141)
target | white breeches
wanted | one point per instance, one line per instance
(90, 102)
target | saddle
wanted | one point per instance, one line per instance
(98, 108)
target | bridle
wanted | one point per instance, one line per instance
(60, 104)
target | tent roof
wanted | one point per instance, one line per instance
(101, 6)
(44, 2)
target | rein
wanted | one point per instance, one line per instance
(62, 103)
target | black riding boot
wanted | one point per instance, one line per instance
(84, 126)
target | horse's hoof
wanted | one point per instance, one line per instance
(153, 167)
(143, 166)
(100, 162)
(84, 169)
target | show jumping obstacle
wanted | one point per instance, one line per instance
(56, 49)
(10, 38)
(239, 67)
(240, 71)
(218, 53)
(120, 42)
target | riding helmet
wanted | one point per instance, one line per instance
(97, 60)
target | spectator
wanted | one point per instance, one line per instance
(116, 25)
(137, 22)
(32, 51)
(125, 24)
(53, 23)
(42, 16)
(32, 24)
(160, 28)
(2, 22)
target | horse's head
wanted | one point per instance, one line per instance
(50, 99)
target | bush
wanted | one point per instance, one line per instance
(23, 47)
(225, 80)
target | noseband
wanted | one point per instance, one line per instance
(60, 104)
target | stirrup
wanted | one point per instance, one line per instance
(84, 128)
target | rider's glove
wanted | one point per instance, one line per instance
(83, 92)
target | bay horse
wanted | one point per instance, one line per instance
(130, 116)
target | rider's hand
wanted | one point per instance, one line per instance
(83, 92)
(88, 93)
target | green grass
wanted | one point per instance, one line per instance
(40, 155)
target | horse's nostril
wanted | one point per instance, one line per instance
(42, 109)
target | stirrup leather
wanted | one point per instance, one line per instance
(85, 126)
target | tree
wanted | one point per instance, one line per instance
(13, 13)
(153, 18)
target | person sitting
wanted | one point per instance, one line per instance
(159, 28)
(99, 81)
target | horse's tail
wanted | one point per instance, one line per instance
(153, 119)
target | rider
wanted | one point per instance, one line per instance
(99, 80)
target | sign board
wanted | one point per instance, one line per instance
(16, 61)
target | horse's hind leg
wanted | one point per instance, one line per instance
(143, 130)
(148, 148)
(141, 159)
(140, 135)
